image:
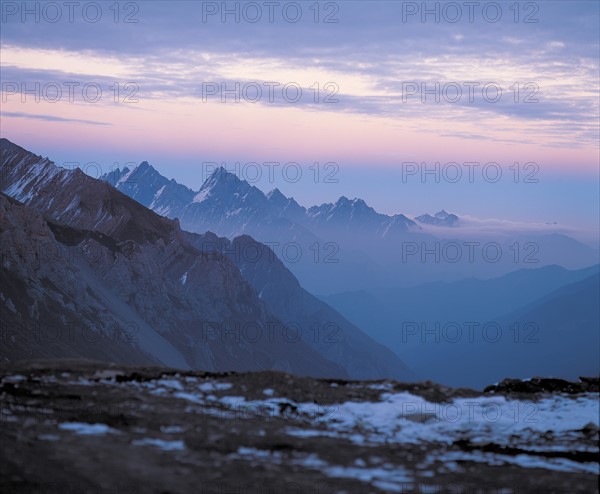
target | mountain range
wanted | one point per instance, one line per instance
(556, 336)
(346, 244)
(230, 206)
(149, 271)
(525, 323)
(90, 272)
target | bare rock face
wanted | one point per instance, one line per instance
(49, 306)
(118, 264)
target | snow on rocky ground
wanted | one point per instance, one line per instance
(350, 436)
(549, 424)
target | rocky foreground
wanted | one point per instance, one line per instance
(82, 427)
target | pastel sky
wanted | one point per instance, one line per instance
(368, 116)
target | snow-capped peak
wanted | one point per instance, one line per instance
(277, 199)
(219, 179)
(275, 194)
(220, 176)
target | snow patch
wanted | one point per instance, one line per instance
(84, 429)
(161, 444)
(211, 387)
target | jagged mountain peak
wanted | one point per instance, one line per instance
(143, 171)
(354, 203)
(145, 166)
(275, 194)
(219, 182)
(221, 175)
(146, 185)
(441, 218)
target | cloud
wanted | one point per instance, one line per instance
(474, 227)
(172, 50)
(49, 118)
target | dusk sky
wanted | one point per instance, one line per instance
(370, 66)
